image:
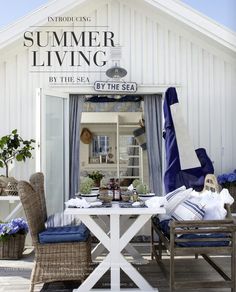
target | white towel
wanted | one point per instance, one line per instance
(156, 202)
(78, 203)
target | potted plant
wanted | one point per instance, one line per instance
(142, 189)
(96, 176)
(86, 189)
(12, 238)
(136, 182)
(143, 192)
(12, 147)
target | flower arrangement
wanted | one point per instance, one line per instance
(12, 228)
(228, 181)
(227, 178)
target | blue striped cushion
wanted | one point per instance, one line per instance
(177, 197)
(188, 211)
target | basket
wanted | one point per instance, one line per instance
(11, 189)
(13, 247)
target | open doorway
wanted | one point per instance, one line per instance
(113, 149)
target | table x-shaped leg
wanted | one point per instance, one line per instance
(99, 248)
(115, 260)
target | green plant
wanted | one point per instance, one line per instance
(86, 185)
(136, 182)
(96, 175)
(14, 147)
(142, 189)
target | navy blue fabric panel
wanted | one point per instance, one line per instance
(195, 177)
(174, 177)
(172, 153)
(64, 234)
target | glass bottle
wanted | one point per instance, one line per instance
(116, 195)
(111, 188)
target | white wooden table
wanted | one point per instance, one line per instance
(11, 200)
(115, 243)
(104, 222)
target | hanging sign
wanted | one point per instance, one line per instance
(115, 86)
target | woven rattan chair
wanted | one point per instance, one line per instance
(37, 181)
(206, 247)
(53, 261)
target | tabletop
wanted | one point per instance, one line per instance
(115, 208)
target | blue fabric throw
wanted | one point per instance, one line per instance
(174, 176)
(64, 234)
(172, 153)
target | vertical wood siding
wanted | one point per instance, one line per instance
(155, 51)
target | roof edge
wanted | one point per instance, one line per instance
(197, 21)
(175, 8)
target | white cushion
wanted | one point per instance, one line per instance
(214, 206)
(189, 210)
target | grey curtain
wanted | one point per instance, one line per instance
(153, 125)
(76, 108)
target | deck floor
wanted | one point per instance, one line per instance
(15, 274)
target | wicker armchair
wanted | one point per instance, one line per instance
(53, 261)
(37, 182)
(205, 245)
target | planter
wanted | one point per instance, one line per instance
(8, 185)
(13, 247)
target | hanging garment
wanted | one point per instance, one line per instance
(184, 165)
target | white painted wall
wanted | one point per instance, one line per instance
(157, 52)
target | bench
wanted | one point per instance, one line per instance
(197, 237)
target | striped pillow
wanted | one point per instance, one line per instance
(176, 197)
(61, 219)
(189, 210)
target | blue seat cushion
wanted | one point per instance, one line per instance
(165, 228)
(204, 243)
(64, 234)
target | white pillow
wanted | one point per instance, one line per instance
(214, 206)
(176, 197)
(188, 210)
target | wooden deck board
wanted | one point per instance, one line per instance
(15, 275)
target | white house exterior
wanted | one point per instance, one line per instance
(164, 43)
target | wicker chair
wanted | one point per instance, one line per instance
(37, 181)
(199, 246)
(53, 261)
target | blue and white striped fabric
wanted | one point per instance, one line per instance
(60, 219)
(188, 211)
(177, 197)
